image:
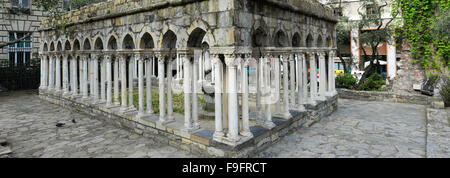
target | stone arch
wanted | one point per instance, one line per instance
(87, 44)
(196, 38)
(67, 46)
(98, 43)
(169, 40)
(76, 45)
(319, 41)
(45, 47)
(146, 41)
(309, 41)
(280, 39)
(128, 42)
(52, 46)
(59, 46)
(112, 42)
(200, 24)
(259, 38)
(296, 40)
(329, 42)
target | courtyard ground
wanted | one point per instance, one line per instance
(356, 129)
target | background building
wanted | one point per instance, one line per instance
(388, 51)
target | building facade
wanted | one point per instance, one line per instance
(388, 51)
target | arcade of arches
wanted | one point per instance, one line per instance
(248, 56)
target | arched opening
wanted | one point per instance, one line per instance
(309, 41)
(112, 43)
(98, 45)
(146, 42)
(169, 40)
(128, 42)
(67, 46)
(45, 48)
(196, 38)
(319, 41)
(52, 46)
(329, 42)
(280, 39)
(59, 46)
(86, 45)
(296, 41)
(259, 38)
(76, 45)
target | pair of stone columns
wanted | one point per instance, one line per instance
(190, 68)
(230, 109)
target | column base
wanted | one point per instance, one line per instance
(321, 97)
(165, 122)
(268, 125)
(332, 93)
(284, 115)
(301, 107)
(218, 136)
(150, 111)
(246, 133)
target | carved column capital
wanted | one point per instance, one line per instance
(232, 60)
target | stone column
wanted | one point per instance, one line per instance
(148, 85)
(313, 78)
(123, 81)
(169, 90)
(267, 99)
(277, 84)
(95, 74)
(85, 76)
(74, 71)
(322, 77)
(131, 81)
(65, 74)
(162, 103)
(331, 78)
(304, 78)
(300, 81)
(245, 131)
(233, 119)
(44, 72)
(286, 114)
(195, 79)
(187, 84)
(141, 84)
(292, 77)
(218, 91)
(108, 80)
(91, 76)
(58, 73)
(103, 80)
(51, 73)
(116, 81)
(260, 119)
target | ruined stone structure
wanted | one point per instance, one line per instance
(201, 46)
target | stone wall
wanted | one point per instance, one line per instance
(17, 22)
(200, 142)
(391, 97)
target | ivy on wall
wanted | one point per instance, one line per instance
(422, 25)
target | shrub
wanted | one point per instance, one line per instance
(373, 83)
(345, 81)
(445, 92)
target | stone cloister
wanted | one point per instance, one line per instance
(251, 60)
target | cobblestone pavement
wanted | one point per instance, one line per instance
(363, 129)
(29, 126)
(356, 129)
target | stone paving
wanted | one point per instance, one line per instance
(365, 129)
(356, 129)
(29, 126)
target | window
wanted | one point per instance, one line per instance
(20, 52)
(66, 5)
(24, 4)
(371, 10)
